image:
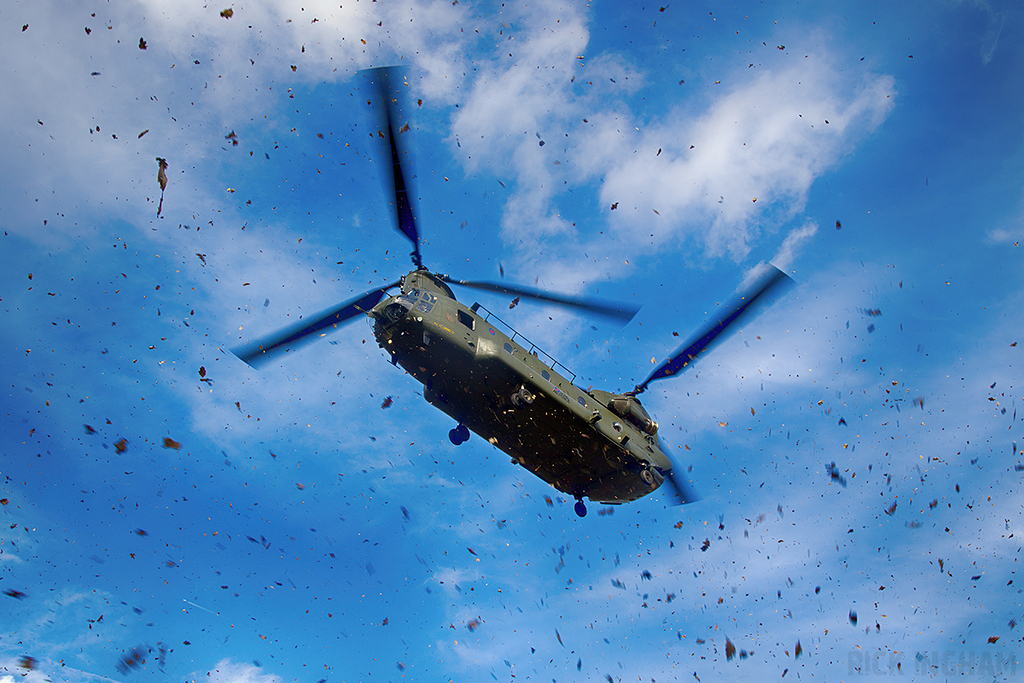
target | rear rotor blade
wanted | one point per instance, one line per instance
(387, 96)
(772, 281)
(261, 350)
(623, 312)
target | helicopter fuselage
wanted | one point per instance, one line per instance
(592, 444)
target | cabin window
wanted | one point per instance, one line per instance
(508, 347)
(582, 402)
(466, 319)
(546, 375)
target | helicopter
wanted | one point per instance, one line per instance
(493, 382)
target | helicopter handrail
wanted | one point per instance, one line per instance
(534, 350)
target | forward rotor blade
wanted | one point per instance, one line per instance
(682, 493)
(260, 351)
(622, 312)
(387, 95)
(772, 281)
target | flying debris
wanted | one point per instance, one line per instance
(835, 474)
(133, 659)
(161, 179)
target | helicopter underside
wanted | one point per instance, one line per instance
(487, 390)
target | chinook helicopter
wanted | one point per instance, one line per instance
(493, 382)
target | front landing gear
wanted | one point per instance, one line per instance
(459, 435)
(581, 509)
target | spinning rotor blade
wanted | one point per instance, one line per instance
(259, 351)
(773, 280)
(682, 493)
(406, 221)
(621, 312)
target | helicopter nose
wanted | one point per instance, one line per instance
(391, 309)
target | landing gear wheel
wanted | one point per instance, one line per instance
(459, 435)
(647, 476)
(581, 509)
(522, 397)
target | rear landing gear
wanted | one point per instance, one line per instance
(459, 435)
(581, 509)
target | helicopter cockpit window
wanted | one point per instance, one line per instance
(466, 319)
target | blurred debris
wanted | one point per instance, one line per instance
(161, 179)
(133, 659)
(834, 473)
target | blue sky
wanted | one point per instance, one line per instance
(280, 525)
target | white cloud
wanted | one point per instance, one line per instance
(227, 671)
(43, 670)
(755, 153)
(83, 151)
(766, 137)
(24, 675)
(1011, 232)
(793, 244)
(719, 180)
